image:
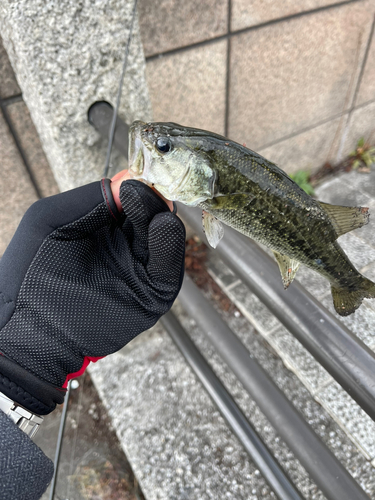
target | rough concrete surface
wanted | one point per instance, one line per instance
(66, 56)
(326, 142)
(307, 149)
(367, 89)
(8, 83)
(360, 124)
(27, 136)
(178, 444)
(176, 441)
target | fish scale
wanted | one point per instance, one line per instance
(240, 188)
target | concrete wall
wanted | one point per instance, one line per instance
(294, 80)
(66, 55)
(25, 172)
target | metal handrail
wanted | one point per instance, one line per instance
(337, 349)
(348, 360)
(250, 440)
(324, 468)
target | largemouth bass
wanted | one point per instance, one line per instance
(237, 186)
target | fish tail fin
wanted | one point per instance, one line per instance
(347, 301)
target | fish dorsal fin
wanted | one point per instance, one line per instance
(212, 228)
(345, 219)
(288, 268)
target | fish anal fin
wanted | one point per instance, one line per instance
(288, 268)
(212, 228)
(345, 219)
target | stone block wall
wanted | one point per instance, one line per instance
(25, 173)
(293, 80)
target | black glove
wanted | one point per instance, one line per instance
(78, 281)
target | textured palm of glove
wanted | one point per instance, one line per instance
(79, 281)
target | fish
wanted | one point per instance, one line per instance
(240, 188)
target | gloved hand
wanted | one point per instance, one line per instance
(79, 280)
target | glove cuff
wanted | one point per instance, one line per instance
(27, 390)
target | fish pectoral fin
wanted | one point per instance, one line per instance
(288, 268)
(345, 219)
(232, 201)
(212, 228)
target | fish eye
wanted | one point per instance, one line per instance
(163, 145)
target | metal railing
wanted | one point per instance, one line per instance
(350, 362)
(342, 354)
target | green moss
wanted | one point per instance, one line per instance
(302, 178)
(363, 156)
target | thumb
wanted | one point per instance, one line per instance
(140, 204)
(166, 244)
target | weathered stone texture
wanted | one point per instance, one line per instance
(68, 55)
(308, 149)
(361, 123)
(367, 89)
(8, 83)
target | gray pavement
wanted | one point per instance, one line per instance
(67, 56)
(176, 441)
(92, 463)
(168, 426)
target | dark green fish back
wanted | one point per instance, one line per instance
(258, 199)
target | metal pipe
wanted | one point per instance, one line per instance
(324, 468)
(119, 92)
(337, 349)
(100, 116)
(306, 318)
(59, 441)
(341, 353)
(248, 437)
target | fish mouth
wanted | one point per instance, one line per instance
(137, 152)
(136, 159)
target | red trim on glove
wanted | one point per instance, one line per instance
(86, 361)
